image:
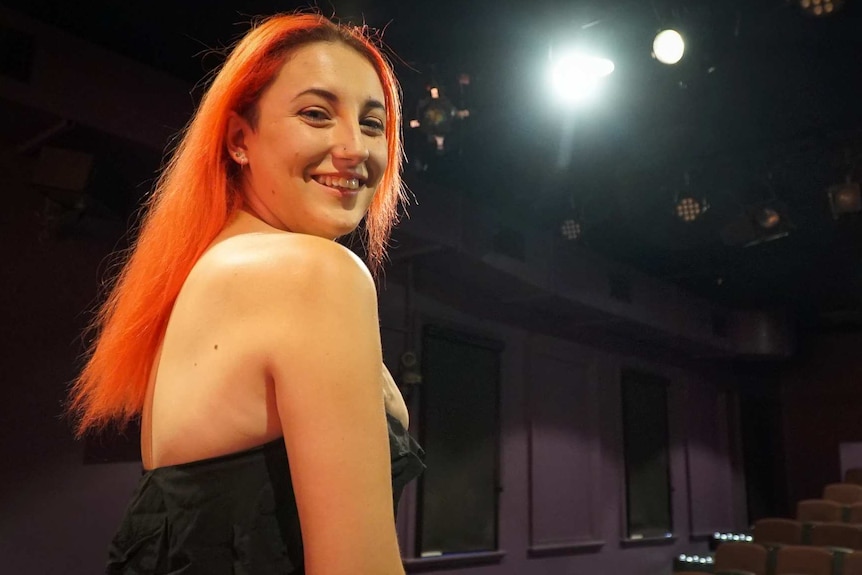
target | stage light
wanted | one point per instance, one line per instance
(821, 8)
(767, 218)
(688, 205)
(668, 47)
(571, 229)
(577, 77)
(759, 223)
(689, 209)
(436, 115)
(845, 199)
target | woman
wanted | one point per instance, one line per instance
(245, 337)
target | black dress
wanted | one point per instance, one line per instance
(230, 515)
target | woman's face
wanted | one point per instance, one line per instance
(315, 157)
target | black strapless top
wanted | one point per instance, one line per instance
(230, 515)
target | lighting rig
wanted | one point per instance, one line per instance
(438, 120)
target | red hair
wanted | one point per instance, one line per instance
(194, 198)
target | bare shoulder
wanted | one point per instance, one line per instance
(273, 265)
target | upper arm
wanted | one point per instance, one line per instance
(322, 341)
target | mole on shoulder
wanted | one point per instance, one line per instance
(216, 346)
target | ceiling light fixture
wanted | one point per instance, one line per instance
(845, 199)
(571, 229)
(577, 77)
(821, 8)
(436, 114)
(668, 47)
(689, 209)
(686, 205)
(758, 223)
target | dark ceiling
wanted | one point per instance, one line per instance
(764, 108)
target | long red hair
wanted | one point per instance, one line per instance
(194, 198)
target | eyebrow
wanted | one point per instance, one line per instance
(333, 99)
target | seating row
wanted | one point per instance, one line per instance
(845, 493)
(818, 510)
(753, 559)
(825, 539)
(779, 531)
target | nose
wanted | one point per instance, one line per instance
(350, 144)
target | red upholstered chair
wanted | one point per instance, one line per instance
(818, 510)
(836, 535)
(854, 513)
(776, 531)
(738, 556)
(853, 475)
(802, 560)
(844, 493)
(852, 564)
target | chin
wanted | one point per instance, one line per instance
(333, 232)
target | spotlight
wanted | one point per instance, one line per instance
(821, 8)
(845, 199)
(689, 209)
(571, 229)
(668, 47)
(767, 217)
(436, 116)
(759, 223)
(577, 77)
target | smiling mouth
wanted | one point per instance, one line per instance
(349, 184)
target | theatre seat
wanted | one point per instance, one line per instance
(802, 560)
(853, 475)
(844, 493)
(818, 510)
(853, 513)
(836, 535)
(735, 557)
(852, 564)
(774, 531)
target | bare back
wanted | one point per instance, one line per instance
(209, 392)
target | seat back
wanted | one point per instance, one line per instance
(740, 556)
(853, 475)
(836, 535)
(801, 560)
(845, 493)
(818, 510)
(777, 531)
(852, 564)
(854, 513)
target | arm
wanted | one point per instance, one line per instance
(323, 357)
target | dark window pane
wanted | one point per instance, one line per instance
(645, 444)
(459, 421)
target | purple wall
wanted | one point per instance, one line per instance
(562, 504)
(55, 513)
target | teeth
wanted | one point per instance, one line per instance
(336, 182)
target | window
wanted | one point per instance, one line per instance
(459, 430)
(646, 454)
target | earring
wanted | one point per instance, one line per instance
(240, 157)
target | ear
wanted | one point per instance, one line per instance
(238, 129)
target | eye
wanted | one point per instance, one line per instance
(315, 115)
(373, 125)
